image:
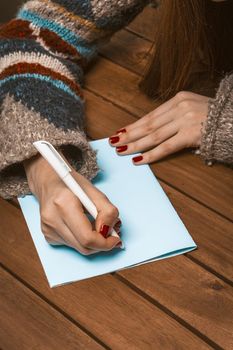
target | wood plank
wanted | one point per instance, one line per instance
(28, 322)
(105, 306)
(119, 86)
(209, 185)
(212, 232)
(134, 53)
(145, 23)
(102, 117)
(193, 294)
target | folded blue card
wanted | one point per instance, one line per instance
(151, 228)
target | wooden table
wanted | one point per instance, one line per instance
(181, 303)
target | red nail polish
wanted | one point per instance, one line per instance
(137, 159)
(122, 148)
(120, 131)
(114, 139)
(104, 230)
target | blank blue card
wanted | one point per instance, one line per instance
(151, 228)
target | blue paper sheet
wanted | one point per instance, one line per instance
(151, 228)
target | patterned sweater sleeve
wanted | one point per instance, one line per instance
(217, 135)
(43, 53)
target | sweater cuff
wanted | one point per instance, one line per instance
(217, 133)
(72, 143)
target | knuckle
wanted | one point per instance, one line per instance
(156, 136)
(190, 115)
(147, 117)
(149, 127)
(182, 95)
(184, 104)
(46, 217)
(147, 157)
(112, 211)
(49, 239)
(135, 146)
(44, 229)
(86, 241)
(63, 197)
(167, 147)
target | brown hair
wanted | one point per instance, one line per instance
(189, 32)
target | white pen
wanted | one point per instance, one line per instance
(63, 170)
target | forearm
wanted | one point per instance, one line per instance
(217, 135)
(42, 56)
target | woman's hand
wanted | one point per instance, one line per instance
(63, 220)
(173, 126)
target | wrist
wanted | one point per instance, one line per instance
(37, 169)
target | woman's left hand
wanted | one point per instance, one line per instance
(173, 126)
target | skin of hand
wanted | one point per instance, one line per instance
(63, 219)
(173, 126)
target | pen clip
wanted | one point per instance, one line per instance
(51, 155)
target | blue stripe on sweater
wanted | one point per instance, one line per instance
(57, 83)
(79, 43)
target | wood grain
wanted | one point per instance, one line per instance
(170, 304)
(145, 24)
(193, 294)
(212, 233)
(210, 185)
(133, 54)
(27, 322)
(110, 310)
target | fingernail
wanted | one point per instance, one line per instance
(118, 223)
(137, 159)
(121, 148)
(114, 139)
(118, 245)
(104, 230)
(120, 131)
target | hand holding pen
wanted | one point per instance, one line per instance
(63, 219)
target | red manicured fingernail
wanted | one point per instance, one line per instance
(121, 148)
(114, 139)
(120, 131)
(137, 159)
(104, 230)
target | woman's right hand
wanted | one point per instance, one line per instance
(63, 220)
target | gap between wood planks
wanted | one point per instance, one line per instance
(54, 306)
(178, 318)
(133, 42)
(158, 177)
(196, 260)
(28, 320)
(167, 311)
(138, 291)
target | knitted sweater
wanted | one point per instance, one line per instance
(43, 53)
